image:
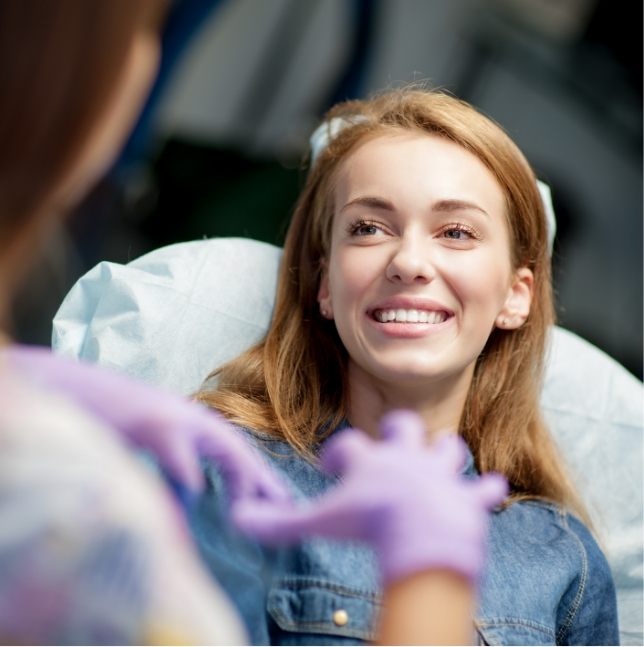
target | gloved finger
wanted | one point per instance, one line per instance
(289, 523)
(244, 470)
(339, 451)
(256, 481)
(218, 440)
(213, 419)
(450, 453)
(270, 487)
(210, 427)
(491, 489)
(181, 462)
(268, 523)
(403, 426)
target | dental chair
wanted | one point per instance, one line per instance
(173, 315)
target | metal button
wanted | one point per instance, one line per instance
(340, 617)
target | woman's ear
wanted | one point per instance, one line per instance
(516, 308)
(324, 294)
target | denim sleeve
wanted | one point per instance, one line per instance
(590, 615)
(239, 564)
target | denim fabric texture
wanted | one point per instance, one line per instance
(546, 582)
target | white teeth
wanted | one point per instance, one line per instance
(410, 316)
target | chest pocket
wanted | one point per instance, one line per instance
(514, 632)
(321, 609)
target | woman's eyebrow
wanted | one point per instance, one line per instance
(445, 206)
(456, 205)
(370, 201)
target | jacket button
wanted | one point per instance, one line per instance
(340, 617)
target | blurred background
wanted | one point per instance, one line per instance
(219, 149)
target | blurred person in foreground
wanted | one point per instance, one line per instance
(92, 548)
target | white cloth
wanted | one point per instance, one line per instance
(173, 315)
(176, 313)
(594, 410)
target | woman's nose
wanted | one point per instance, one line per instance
(411, 263)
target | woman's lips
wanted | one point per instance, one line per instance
(409, 323)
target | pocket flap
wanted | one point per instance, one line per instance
(315, 606)
(514, 631)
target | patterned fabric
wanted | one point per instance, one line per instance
(93, 550)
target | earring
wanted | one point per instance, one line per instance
(324, 313)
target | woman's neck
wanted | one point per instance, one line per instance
(440, 402)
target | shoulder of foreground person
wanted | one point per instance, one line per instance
(92, 538)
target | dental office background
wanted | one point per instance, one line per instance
(219, 148)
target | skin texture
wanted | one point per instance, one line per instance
(419, 222)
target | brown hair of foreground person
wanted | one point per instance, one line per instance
(61, 66)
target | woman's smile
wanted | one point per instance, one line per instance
(409, 317)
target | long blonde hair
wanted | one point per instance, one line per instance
(294, 383)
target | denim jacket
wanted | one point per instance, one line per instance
(546, 580)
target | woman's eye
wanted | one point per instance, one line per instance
(459, 233)
(364, 228)
(456, 234)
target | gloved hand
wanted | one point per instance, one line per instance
(174, 429)
(402, 496)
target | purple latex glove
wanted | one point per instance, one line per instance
(174, 429)
(404, 497)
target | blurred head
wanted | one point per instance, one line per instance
(74, 75)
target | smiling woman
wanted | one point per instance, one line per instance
(416, 274)
(419, 273)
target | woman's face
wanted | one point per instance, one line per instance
(419, 271)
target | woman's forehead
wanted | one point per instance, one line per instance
(405, 164)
